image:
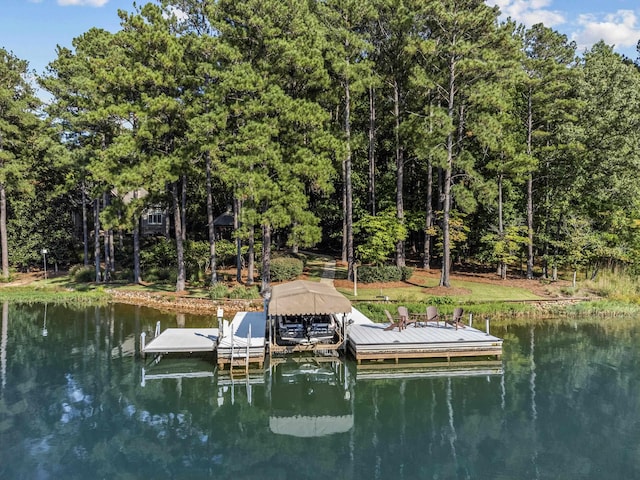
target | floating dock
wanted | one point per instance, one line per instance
(243, 341)
(432, 340)
(183, 340)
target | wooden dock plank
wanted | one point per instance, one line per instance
(373, 342)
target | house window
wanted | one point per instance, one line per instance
(154, 217)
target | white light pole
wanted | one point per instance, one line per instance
(355, 279)
(44, 252)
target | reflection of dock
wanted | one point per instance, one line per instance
(472, 368)
(373, 342)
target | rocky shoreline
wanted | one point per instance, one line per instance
(184, 304)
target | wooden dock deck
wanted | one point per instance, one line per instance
(183, 340)
(373, 342)
(243, 341)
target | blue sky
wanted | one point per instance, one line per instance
(33, 28)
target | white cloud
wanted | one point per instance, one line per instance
(620, 29)
(180, 15)
(83, 3)
(529, 12)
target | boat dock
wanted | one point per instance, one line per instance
(183, 340)
(239, 343)
(432, 340)
(243, 341)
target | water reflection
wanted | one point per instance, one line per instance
(310, 397)
(78, 403)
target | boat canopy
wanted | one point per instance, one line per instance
(303, 297)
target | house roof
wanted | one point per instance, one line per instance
(304, 297)
(224, 220)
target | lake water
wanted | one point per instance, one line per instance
(76, 403)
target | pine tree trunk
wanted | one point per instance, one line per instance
(400, 253)
(372, 150)
(96, 238)
(426, 259)
(251, 258)
(530, 191)
(85, 226)
(183, 208)
(266, 258)
(344, 255)
(107, 251)
(348, 186)
(211, 226)
(446, 182)
(4, 243)
(177, 218)
(236, 227)
(136, 249)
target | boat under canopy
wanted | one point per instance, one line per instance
(302, 297)
(308, 315)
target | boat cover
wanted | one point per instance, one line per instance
(303, 297)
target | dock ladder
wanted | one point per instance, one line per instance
(239, 356)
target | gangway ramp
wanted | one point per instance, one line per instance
(243, 341)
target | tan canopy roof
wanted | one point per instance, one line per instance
(304, 297)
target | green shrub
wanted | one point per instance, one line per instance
(124, 275)
(219, 290)
(225, 252)
(83, 274)
(248, 293)
(286, 268)
(439, 301)
(405, 273)
(161, 275)
(161, 254)
(73, 269)
(379, 273)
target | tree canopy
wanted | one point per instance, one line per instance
(416, 131)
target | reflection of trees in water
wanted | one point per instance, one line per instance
(72, 405)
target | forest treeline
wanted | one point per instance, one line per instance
(421, 131)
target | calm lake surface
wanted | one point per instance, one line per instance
(76, 402)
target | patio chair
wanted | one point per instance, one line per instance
(403, 313)
(456, 319)
(393, 322)
(432, 315)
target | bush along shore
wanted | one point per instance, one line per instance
(198, 305)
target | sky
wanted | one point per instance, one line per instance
(31, 29)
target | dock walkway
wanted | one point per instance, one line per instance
(183, 340)
(243, 341)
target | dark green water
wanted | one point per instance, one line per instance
(75, 403)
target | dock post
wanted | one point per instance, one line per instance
(487, 320)
(157, 329)
(471, 319)
(246, 367)
(220, 314)
(143, 339)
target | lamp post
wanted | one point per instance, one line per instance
(44, 252)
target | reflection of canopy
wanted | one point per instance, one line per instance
(303, 426)
(304, 297)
